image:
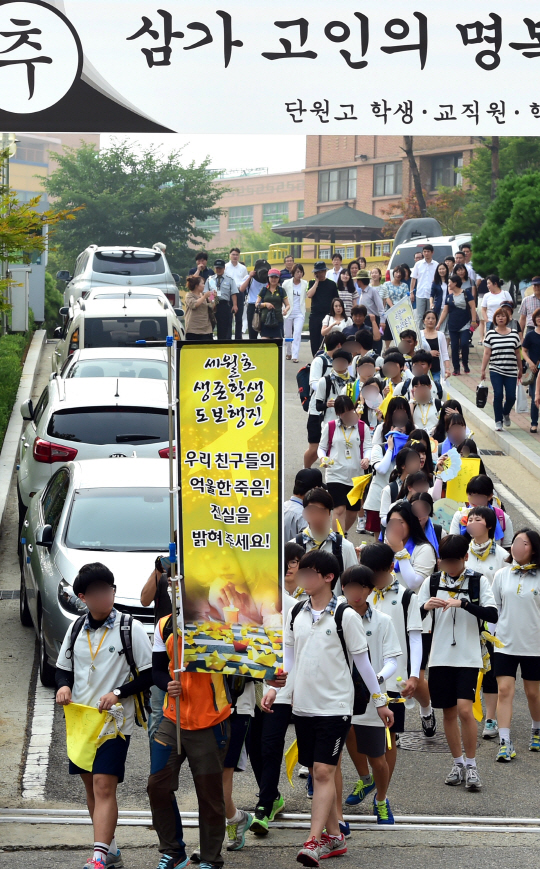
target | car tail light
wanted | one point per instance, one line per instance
(172, 298)
(387, 274)
(176, 335)
(74, 343)
(164, 453)
(49, 453)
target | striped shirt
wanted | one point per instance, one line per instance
(528, 307)
(503, 355)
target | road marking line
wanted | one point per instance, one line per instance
(37, 758)
(512, 499)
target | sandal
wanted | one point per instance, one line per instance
(295, 360)
(288, 357)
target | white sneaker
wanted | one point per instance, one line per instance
(303, 772)
(360, 524)
(491, 729)
(498, 426)
(506, 419)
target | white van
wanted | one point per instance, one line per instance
(115, 266)
(443, 246)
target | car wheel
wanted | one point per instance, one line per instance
(46, 671)
(24, 611)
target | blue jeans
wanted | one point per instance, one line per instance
(457, 340)
(157, 699)
(502, 383)
(436, 376)
(534, 409)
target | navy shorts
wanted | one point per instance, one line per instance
(110, 759)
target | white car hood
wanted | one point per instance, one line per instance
(130, 569)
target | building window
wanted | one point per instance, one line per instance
(387, 179)
(24, 196)
(346, 252)
(30, 152)
(445, 171)
(300, 209)
(211, 224)
(275, 213)
(241, 217)
(337, 184)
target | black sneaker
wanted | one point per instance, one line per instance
(260, 822)
(429, 725)
(173, 861)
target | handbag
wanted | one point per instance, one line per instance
(212, 317)
(522, 405)
(528, 376)
(481, 394)
(271, 319)
(256, 321)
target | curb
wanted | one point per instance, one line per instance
(11, 441)
(504, 440)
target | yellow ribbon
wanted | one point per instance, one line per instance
(386, 401)
(486, 666)
(291, 759)
(359, 487)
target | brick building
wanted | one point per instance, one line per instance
(371, 172)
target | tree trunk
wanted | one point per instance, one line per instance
(494, 165)
(413, 165)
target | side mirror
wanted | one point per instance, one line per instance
(179, 312)
(64, 311)
(63, 276)
(44, 536)
(176, 278)
(27, 409)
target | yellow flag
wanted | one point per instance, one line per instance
(477, 705)
(84, 726)
(291, 759)
(359, 486)
(386, 401)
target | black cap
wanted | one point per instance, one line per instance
(320, 266)
(306, 479)
(220, 263)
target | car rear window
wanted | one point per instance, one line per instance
(127, 295)
(151, 369)
(405, 255)
(119, 520)
(128, 262)
(123, 331)
(107, 425)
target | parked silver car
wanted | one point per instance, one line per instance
(146, 363)
(115, 511)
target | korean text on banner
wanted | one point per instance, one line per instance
(400, 317)
(230, 421)
(457, 488)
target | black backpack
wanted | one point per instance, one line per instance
(473, 591)
(337, 548)
(302, 380)
(361, 691)
(142, 698)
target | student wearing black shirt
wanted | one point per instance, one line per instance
(321, 291)
(201, 268)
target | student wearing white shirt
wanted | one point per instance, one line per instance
(424, 407)
(486, 557)
(238, 272)
(323, 693)
(368, 735)
(491, 301)
(334, 383)
(335, 272)
(319, 367)
(457, 600)
(296, 289)
(407, 462)
(293, 509)
(422, 277)
(318, 533)
(516, 589)
(398, 418)
(91, 670)
(344, 451)
(480, 493)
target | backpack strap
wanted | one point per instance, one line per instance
(294, 612)
(338, 617)
(337, 551)
(76, 628)
(394, 490)
(299, 539)
(142, 702)
(434, 581)
(405, 601)
(328, 381)
(331, 433)
(361, 430)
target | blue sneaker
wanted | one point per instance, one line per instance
(383, 812)
(309, 787)
(344, 829)
(506, 752)
(534, 744)
(236, 833)
(360, 792)
(173, 861)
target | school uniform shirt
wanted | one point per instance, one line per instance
(383, 643)
(425, 416)
(316, 372)
(424, 274)
(284, 695)
(293, 517)
(111, 668)
(245, 704)
(322, 677)
(379, 479)
(422, 560)
(404, 386)
(508, 529)
(347, 548)
(345, 453)
(332, 275)
(338, 386)
(389, 602)
(517, 596)
(493, 562)
(456, 624)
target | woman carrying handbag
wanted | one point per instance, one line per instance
(273, 304)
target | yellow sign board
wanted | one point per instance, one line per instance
(400, 317)
(229, 465)
(456, 489)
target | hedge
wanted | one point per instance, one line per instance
(12, 349)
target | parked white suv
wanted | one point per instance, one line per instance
(443, 246)
(94, 418)
(148, 363)
(114, 323)
(124, 266)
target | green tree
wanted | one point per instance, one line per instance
(248, 239)
(517, 154)
(508, 243)
(133, 197)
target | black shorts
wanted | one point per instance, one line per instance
(321, 738)
(110, 759)
(447, 685)
(314, 428)
(506, 665)
(489, 683)
(370, 740)
(339, 492)
(399, 714)
(426, 649)
(236, 757)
